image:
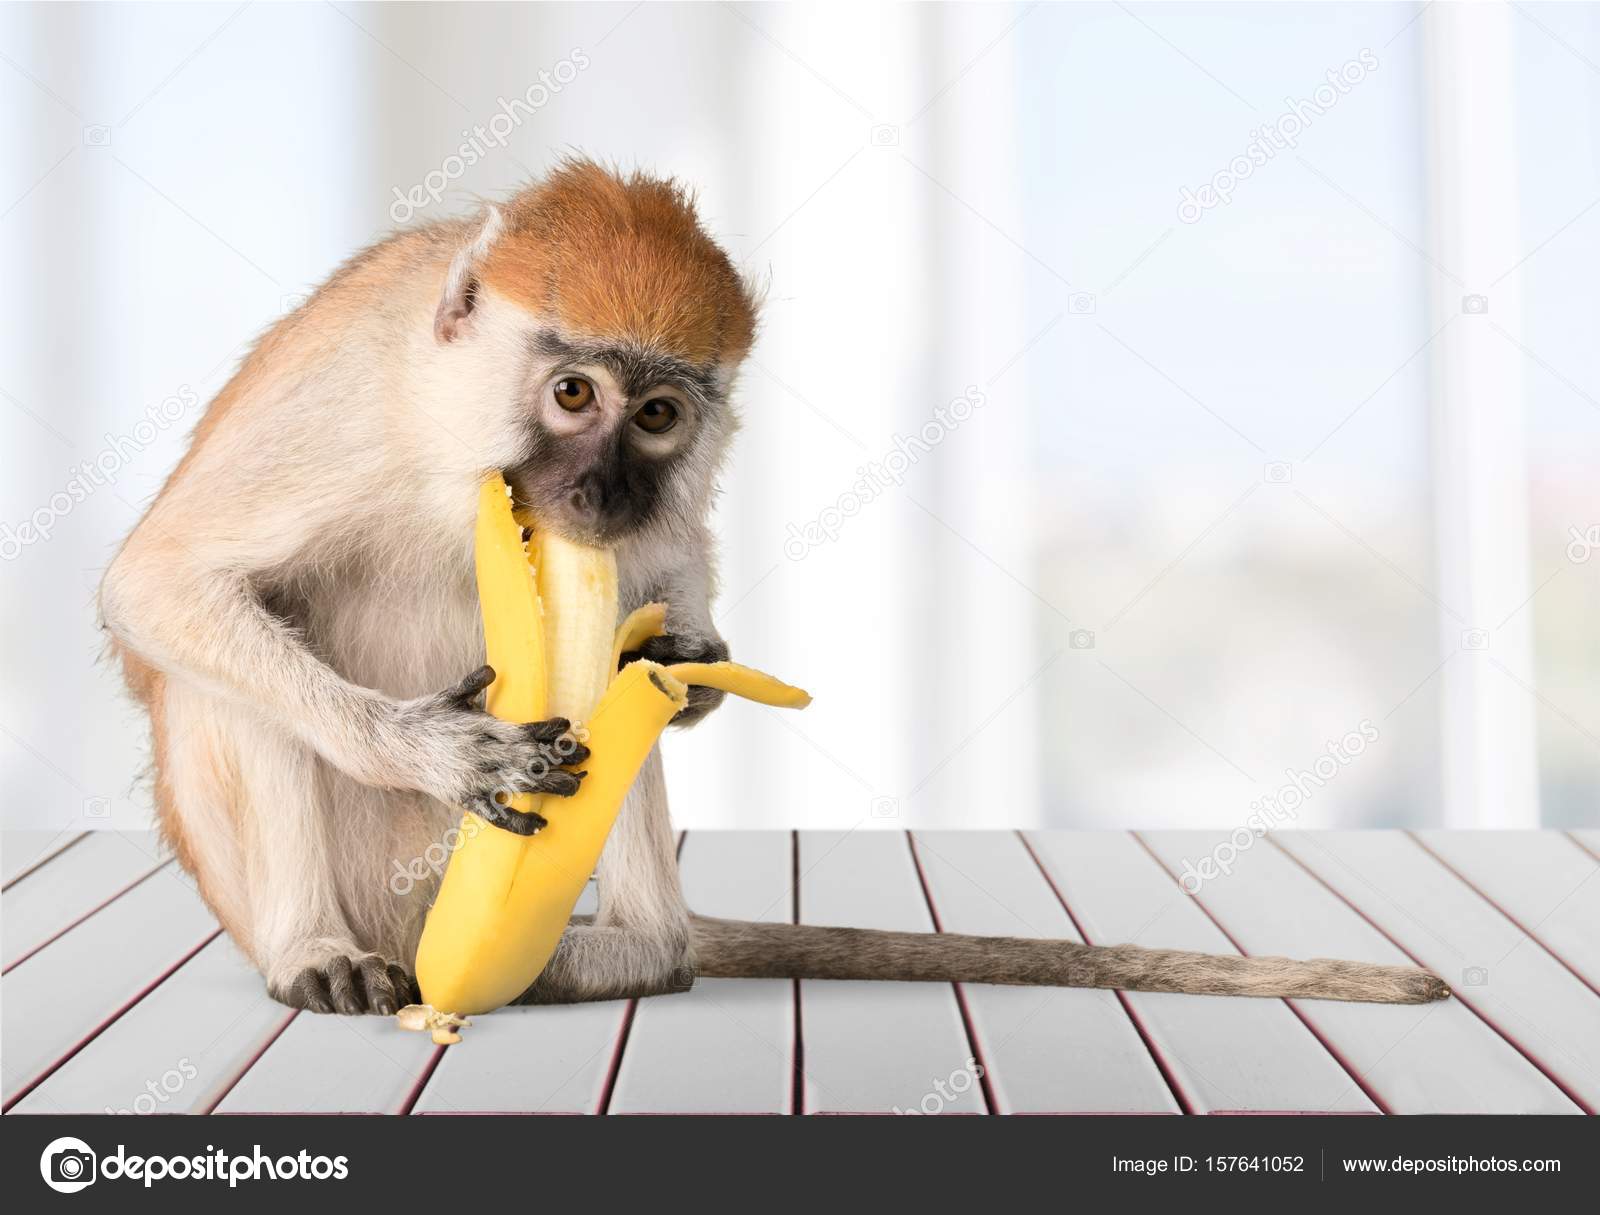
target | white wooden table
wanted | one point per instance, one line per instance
(120, 993)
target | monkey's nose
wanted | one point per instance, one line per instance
(592, 505)
(584, 504)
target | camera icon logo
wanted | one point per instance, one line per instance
(1081, 303)
(67, 1165)
(885, 807)
(1583, 543)
(97, 137)
(1475, 305)
(1277, 473)
(1475, 976)
(1081, 639)
(884, 135)
(1474, 639)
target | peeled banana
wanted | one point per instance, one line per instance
(549, 614)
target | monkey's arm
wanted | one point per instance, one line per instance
(185, 595)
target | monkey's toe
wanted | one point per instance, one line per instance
(404, 986)
(307, 990)
(348, 997)
(384, 985)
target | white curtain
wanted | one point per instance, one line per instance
(1070, 509)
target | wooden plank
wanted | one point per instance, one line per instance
(70, 989)
(727, 1045)
(72, 885)
(326, 1064)
(345, 1065)
(175, 1051)
(1589, 841)
(1549, 888)
(877, 1047)
(21, 852)
(1225, 1054)
(1413, 1059)
(1046, 1049)
(548, 1060)
(334, 1064)
(1509, 980)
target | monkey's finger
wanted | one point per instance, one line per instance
(560, 782)
(548, 731)
(558, 755)
(347, 997)
(465, 692)
(670, 648)
(700, 702)
(529, 779)
(514, 821)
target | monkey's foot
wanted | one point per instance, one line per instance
(364, 983)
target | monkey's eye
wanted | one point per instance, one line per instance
(574, 393)
(656, 415)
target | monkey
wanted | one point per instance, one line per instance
(296, 610)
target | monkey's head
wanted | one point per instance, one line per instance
(626, 324)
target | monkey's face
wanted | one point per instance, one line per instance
(618, 438)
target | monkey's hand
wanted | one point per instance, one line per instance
(448, 747)
(685, 647)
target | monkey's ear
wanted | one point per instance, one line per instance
(460, 297)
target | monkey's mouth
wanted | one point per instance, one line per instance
(577, 513)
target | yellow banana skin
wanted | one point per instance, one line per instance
(740, 681)
(641, 625)
(506, 898)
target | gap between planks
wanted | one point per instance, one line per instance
(798, 1055)
(1469, 1005)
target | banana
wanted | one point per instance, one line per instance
(549, 607)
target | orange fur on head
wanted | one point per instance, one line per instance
(607, 255)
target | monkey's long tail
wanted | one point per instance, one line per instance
(750, 950)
